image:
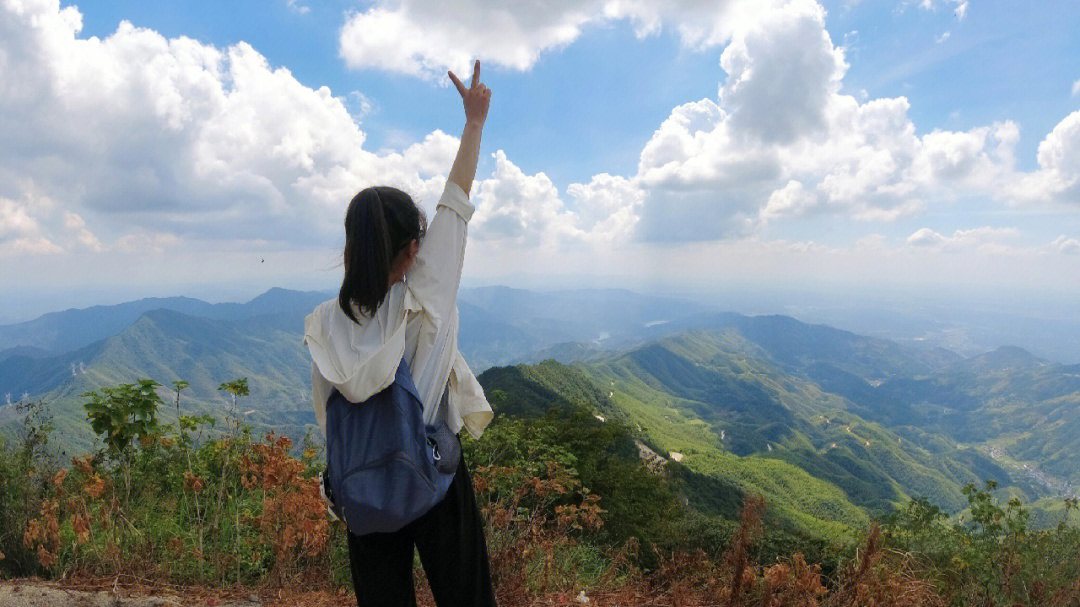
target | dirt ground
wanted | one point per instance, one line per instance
(31, 594)
(107, 593)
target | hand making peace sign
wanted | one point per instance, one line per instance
(476, 98)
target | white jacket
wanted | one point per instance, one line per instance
(418, 319)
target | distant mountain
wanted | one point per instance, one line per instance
(165, 345)
(61, 355)
(27, 351)
(1020, 409)
(796, 346)
(59, 332)
(605, 319)
(35, 374)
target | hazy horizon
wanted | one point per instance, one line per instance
(978, 321)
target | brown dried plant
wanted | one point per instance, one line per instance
(536, 521)
(872, 579)
(293, 521)
(43, 533)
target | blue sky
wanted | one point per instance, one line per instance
(211, 148)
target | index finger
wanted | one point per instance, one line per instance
(476, 74)
(457, 83)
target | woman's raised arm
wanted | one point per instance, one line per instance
(476, 99)
(436, 274)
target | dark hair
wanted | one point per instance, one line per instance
(380, 222)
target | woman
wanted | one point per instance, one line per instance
(399, 299)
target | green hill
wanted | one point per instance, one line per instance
(165, 346)
(710, 386)
(1020, 409)
(715, 481)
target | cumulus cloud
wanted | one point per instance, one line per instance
(779, 141)
(427, 37)
(138, 134)
(792, 200)
(518, 207)
(152, 142)
(527, 210)
(781, 73)
(782, 142)
(20, 230)
(926, 238)
(75, 225)
(607, 207)
(1059, 160)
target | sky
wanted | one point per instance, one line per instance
(210, 149)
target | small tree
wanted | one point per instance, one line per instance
(121, 414)
(236, 388)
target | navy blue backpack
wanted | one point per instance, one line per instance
(384, 467)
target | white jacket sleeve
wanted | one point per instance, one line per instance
(320, 391)
(433, 281)
(436, 274)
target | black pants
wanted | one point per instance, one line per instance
(450, 538)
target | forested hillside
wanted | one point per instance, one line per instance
(836, 425)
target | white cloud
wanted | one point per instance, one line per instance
(781, 73)
(154, 144)
(779, 141)
(77, 226)
(779, 121)
(1076, 88)
(607, 207)
(986, 238)
(145, 241)
(1062, 244)
(427, 37)
(513, 207)
(792, 200)
(926, 237)
(15, 220)
(1059, 160)
(782, 141)
(523, 209)
(139, 134)
(959, 7)
(298, 6)
(21, 232)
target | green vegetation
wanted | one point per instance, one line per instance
(993, 557)
(710, 395)
(165, 500)
(570, 507)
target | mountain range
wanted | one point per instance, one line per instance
(833, 427)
